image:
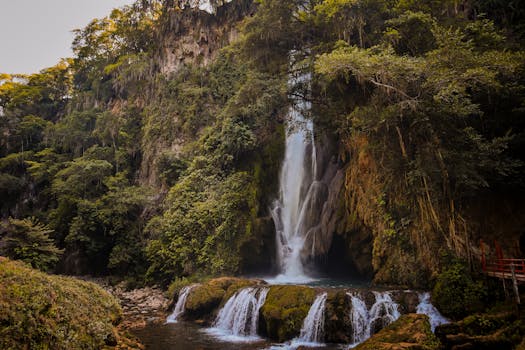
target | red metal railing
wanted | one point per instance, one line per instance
(501, 267)
(505, 266)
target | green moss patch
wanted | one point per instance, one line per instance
(411, 331)
(285, 308)
(40, 311)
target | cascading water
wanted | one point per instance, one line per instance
(364, 322)
(181, 304)
(360, 320)
(425, 307)
(384, 311)
(298, 174)
(238, 319)
(312, 330)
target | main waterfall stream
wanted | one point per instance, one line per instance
(298, 175)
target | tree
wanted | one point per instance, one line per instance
(28, 240)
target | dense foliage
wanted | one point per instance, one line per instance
(145, 173)
(29, 241)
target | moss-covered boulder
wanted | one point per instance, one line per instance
(204, 300)
(283, 312)
(411, 331)
(41, 311)
(503, 330)
(338, 326)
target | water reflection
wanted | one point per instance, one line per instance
(185, 335)
(188, 336)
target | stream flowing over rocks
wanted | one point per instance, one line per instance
(241, 311)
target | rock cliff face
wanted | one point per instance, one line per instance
(396, 237)
(193, 36)
(188, 37)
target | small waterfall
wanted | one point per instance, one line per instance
(425, 307)
(181, 303)
(238, 319)
(366, 322)
(360, 320)
(313, 325)
(383, 312)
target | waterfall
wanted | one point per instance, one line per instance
(298, 173)
(360, 320)
(425, 307)
(383, 312)
(312, 330)
(365, 322)
(238, 319)
(181, 303)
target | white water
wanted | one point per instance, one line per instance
(360, 320)
(237, 321)
(425, 307)
(384, 310)
(313, 325)
(312, 331)
(181, 304)
(298, 173)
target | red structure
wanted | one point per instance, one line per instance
(505, 269)
(501, 267)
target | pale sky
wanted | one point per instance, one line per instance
(35, 34)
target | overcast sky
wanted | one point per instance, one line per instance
(35, 34)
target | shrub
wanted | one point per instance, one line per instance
(457, 294)
(28, 240)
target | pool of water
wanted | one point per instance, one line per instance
(321, 282)
(185, 335)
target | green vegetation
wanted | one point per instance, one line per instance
(29, 241)
(457, 294)
(41, 311)
(126, 160)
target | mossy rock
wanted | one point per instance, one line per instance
(338, 326)
(40, 311)
(204, 300)
(484, 331)
(411, 331)
(283, 312)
